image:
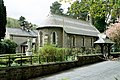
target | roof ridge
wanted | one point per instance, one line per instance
(67, 17)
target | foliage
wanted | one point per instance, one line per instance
(25, 24)
(2, 19)
(114, 34)
(12, 46)
(23, 60)
(4, 61)
(78, 10)
(70, 1)
(52, 52)
(56, 8)
(12, 23)
(59, 54)
(3, 47)
(81, 10)
(100, 23)
(7, 47)
(99, 10)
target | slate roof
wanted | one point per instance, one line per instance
(70, 25)
(103, 39)
(21, 32)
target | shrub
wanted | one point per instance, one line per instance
(7, 47)
(12, 46)
(52, 53)
(6, 60)
(48, 50)
(3, 47)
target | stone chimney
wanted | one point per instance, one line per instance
(89, 19)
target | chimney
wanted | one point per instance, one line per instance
(89, 19)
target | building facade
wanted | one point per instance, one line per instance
(66, 32)
(20, 36)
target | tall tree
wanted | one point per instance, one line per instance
(79, 10)
(98, 14)
(25, 24)
(114, 34)
(3, 20)
(98, 9)
(56, 8)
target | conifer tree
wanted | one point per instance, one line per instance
(56, 8)
(3, 20)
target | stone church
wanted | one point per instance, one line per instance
(66, 32)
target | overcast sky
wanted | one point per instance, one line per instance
(33, 10)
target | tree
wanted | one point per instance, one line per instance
(22, 21)
(56, 8)
(114, 34)
(98, 14)
(81, 9)
(25, 24)
(2, 20)
(70, 1)
(98, 9)
(78, 10)
(103, 12)
(7, 47)
(12, 23)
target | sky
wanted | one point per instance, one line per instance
(33, 10)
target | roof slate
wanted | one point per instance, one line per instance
(72, 26)
(21, 32)
(101, 41)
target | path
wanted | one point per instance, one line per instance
(107, 70)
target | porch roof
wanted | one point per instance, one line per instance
(105, 41)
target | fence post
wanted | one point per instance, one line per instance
(47, 59)
(21, 60)
(9, 61)
(31, 60)
(39, 59)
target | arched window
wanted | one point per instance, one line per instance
(41, 39)
(74, 41)
(83, 41)
(54, 38)
(91, 42)
(45, 39)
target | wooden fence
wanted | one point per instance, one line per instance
(20, 60)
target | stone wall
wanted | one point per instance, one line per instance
(64, 39)
(48, 31)
(27, 72)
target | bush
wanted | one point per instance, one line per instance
(12, 46)
(7, 47)
(48, 50)
(6, 60)
(3, 47)
(52, 53)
